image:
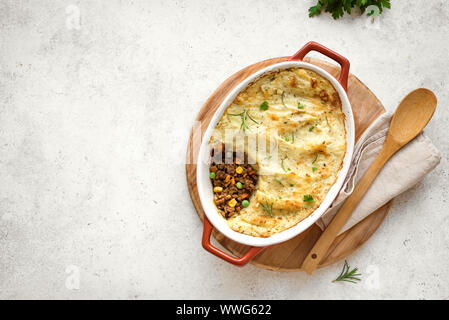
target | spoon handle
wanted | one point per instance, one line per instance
(330, 233)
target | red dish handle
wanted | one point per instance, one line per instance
(314, 46)
(209, 247)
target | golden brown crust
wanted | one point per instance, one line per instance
(305, 119)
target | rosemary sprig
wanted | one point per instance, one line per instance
(244, 115)
(268, 208)
(283, 168)
(282, 98)
(348, 276)
(278, 181)
(316, 157)
(327, 120)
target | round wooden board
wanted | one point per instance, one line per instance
(289, 255)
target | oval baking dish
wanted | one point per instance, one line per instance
(213, 219)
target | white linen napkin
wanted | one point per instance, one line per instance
(404, 169)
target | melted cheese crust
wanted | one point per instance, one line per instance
(304, 131)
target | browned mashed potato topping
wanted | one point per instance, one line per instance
(298, 113)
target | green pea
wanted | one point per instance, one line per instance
(245, 203)
(239, 185)
(212, 175)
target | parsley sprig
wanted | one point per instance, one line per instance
(338, 7)
(348, 276)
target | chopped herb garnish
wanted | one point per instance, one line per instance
(300, 106)
(287, 139)
(264, 106)
(311, 128)
(322, 102)
(348, 276)
(279, 182)
(327, 120)
(244, 115)
(282, 165)
(291, 184)
(308, 198)
(316, 157)
(268, 208)
(314, 169)
(293, 138)
(280, 198)
(282, 98)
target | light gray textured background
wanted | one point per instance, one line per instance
(94, 121)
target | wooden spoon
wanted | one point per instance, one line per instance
(411, 116)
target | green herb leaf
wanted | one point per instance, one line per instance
(337, 8)
(348, 275)
(327, 120)
(315, 10)
(300, 106)
(308, 198)
(244, 115)
(264, 106)
(282, 165)
(278, 181)
(282, 98)
(268, 208)
(287, 139)
(311, 128)
(316, 157)
(314, 169)
(291, 184)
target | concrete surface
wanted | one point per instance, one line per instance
(96, 103)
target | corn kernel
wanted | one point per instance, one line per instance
(239, 170)
(232, 203)
(218, 189)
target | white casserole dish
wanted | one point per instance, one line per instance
(204, 184)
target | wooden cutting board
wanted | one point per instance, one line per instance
(289, 255)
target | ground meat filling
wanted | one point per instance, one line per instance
(233, 183)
